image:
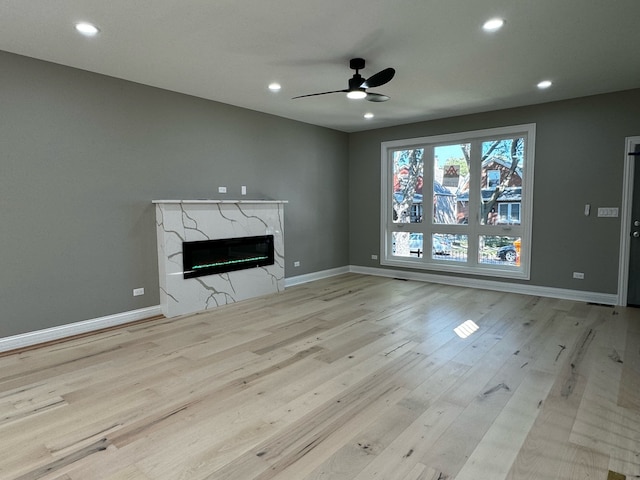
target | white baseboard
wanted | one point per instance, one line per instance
(29, 339)
(310, 277)
(525, 289)
(56, 333)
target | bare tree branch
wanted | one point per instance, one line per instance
(490, 204)
(415, 166)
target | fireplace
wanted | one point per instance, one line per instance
(194, 228)
(208, 257)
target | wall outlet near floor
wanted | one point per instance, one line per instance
(296, 264)
(243, 190)
(578, 275)
(222, 189)
(138, 291)
(374, 257)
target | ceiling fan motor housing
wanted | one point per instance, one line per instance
(356, 63)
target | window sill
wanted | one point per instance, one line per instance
(491, 270)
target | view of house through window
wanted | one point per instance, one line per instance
(476, 214)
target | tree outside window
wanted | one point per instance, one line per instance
(479, 201)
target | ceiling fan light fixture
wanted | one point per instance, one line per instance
(356, 94)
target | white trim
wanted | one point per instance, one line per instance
(29, 339)
(87, 326)
(473, 229)
(625, 220)
(576, 295)
(456, 136)
(207, 201)
(524, 289)
(310, 277)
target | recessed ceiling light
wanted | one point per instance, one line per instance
(87, 29)
(368, 115)
(493, 24)
(275, 87)
(544, 84)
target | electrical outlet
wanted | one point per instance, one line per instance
(296, 264)
(243, 190)
(578, 275)
(222, 189)
(138, 291)
(607, 211)
(374, 257)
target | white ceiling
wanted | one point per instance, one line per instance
(230, 50)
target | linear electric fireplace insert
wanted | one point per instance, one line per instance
(208, 257)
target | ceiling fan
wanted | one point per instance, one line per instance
(358, 85)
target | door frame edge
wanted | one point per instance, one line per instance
(625, 220)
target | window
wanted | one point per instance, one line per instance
(509, 213)
(478, 188)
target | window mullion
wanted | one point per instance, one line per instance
(475, 173)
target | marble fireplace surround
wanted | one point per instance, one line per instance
(180, 221)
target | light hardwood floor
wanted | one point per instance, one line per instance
(353, 377)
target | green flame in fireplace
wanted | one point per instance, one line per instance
(230, 262)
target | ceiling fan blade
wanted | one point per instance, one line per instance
(377, 97)
(321, 93)
(379, 78)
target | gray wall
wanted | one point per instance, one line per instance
(579, 160)
(82, 156)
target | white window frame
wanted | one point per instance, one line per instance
(473, 229)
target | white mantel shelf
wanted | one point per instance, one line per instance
(219, 201)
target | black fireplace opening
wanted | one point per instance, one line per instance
(208, 257)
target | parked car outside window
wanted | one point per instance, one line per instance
(507, 253)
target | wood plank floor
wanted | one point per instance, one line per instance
(352, 377)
